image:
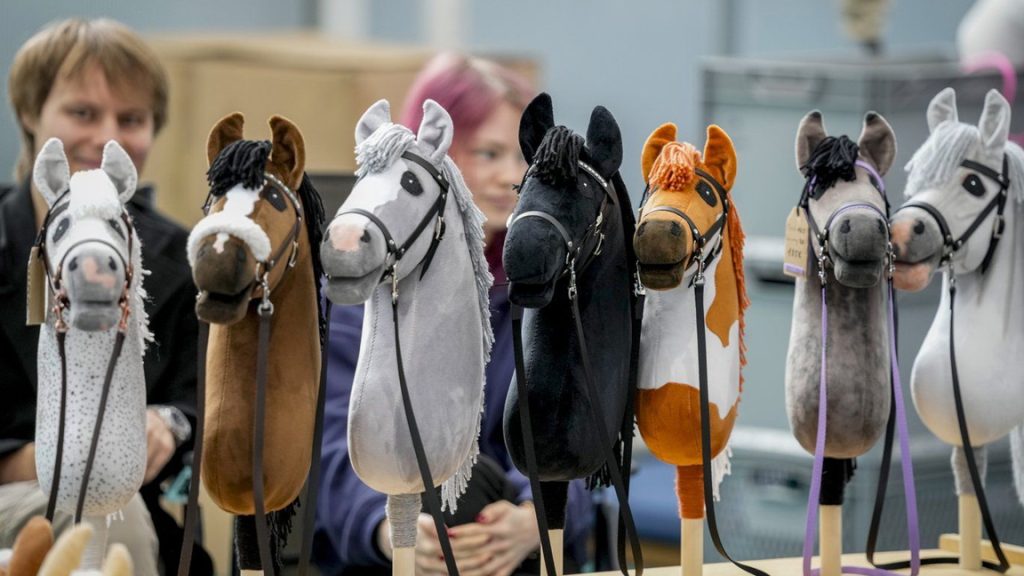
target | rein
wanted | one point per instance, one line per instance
(61, 303)
(584, 252)
(394, 256)
(897, 414)
(265, 310)
(949, 249)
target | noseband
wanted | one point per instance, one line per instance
(396, 252)
(700, 241)
(950, 245)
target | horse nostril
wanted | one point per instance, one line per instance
(676, 229)
(73, 265)
(643, 228)
(366, 236)
(918, 227)
(240, 255)
(845, 228)
(113, 264)
(881, 226)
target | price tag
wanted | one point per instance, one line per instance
(795, 261)
(36, 304)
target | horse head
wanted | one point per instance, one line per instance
(687, 206)
(254, 220)
(563, 200)
(845, 197)
(958, 183)
(87, 237)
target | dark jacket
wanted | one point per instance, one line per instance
(348, 511)
(170, 361)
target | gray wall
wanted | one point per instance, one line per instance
(22, 18)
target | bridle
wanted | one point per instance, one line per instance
(579, 255)
(395, 252)
(949, 249)
(700, 241)
(55, 286)
(950, 246)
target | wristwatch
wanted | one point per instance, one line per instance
(176, 422)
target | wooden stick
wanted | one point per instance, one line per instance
(691, 546)
(252, 572)
(970, 532)
(557, 539)
(1014, 553)
(830, 539)
(403, 562)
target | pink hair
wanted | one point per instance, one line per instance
(468, 88)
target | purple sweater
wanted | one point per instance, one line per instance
(348, 511)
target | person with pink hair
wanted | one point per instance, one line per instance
(494, 530)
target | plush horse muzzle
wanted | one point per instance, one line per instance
(917, 243)
(94, 277)
(857, 247)
(354, 255)
(533, 273)
(663, 248)
(224, 271)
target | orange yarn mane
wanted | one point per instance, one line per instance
(736, 238)
(673, 170)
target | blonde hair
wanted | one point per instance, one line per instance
(63, 50)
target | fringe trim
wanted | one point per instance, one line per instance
(456, 485)
(720, 468)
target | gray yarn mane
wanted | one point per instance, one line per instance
(382, 149)
(938, 159)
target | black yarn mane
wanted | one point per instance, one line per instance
(241, 162)
(555, 161)
(833, 158)
(313, 212)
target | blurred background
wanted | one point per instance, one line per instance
(751, 66)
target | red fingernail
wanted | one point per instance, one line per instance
(440, 557)
(451, 534)
(481, 518)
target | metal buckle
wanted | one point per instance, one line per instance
(394, 285)
(295, 254)
(572, 279)
(439, 228)
(997, 227)
(266, 307)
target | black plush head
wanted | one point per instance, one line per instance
(535, 253)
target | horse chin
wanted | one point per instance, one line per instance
(858, 274)
(349, 291)
(94, 316)
(223, 309)
(913, 277)
(531, 295)
(661, 276)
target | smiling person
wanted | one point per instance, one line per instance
(87, 82)
(494, 530)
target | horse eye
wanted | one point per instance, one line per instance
(707, 194)
(273, 195)
(62, 228)
(117, 227)
(411, 184)
(973, 185)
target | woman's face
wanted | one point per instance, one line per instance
(492, 164)
(85, 112)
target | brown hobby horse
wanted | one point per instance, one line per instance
(252, 263)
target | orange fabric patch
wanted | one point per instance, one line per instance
(669, 421)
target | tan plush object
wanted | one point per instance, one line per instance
(30, 548)
(66, 554)
(118, 562)
(293, 362)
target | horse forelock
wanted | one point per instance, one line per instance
(556, 160)
(674, 167)
(93, 195)
(834, 158)
(241, 162)
(383, 148)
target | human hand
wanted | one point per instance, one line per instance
(503, 536)
(160, 445)
(20, 465)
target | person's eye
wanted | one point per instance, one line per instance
(82, 113)
(488, 154)
(132, 120)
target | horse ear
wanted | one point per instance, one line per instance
(537, 119)
(288, 154)
(435, 133)
(810, 133)
(995, 122)
(877, 142)
(51, 173)
(120, 169)
(720, 156)
(604, 142)
(942, 108)
(375, 116)
(227, 130)
(652, 148)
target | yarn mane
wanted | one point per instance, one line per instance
(556, 160)
(674, 167)
(241, 162)
(833, 159)
(736, 238)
